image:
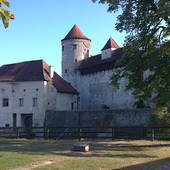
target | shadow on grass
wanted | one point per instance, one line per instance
(63, 148)
(105, 155)
(152, 165)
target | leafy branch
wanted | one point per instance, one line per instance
(5, 15)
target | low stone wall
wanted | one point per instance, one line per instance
(132, 117)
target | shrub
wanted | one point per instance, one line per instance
(161, 118)
(104, 106)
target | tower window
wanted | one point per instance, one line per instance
(75, 60)
(87, 53)
(63, 48)
(65, 70)
(74, 47)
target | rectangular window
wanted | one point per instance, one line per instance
(72, 106)
(14, 119)
(74, 47)
(21, 102)
(35, 102)
(5, 102)
(63, 48)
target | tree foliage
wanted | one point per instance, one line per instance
(147, 47)
(5, 15)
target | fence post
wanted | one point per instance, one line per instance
(113, 133)
(48, 133)
(44, 132)
(153, 134)
(17, 132)
(79, 133)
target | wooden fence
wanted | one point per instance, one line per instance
(77, 132)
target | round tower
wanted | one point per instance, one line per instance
(75, 48)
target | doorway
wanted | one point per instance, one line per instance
(26, 120)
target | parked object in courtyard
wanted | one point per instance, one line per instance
(82, 147)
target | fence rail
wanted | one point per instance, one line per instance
(87, 132)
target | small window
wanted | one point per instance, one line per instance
(21, 102)
(65, 70)
(72, 106)
(87, 53)
(24, 90)
(5, 102)
(63, 48)
(36, 89)
(74, 47)
(34, 102)
(75, 60)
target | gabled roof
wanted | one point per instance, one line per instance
(75, 33)
(110, 44)
(37, 70)
(96, 63)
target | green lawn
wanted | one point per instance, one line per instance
(127, 155)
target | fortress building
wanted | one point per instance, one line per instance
(90, 75)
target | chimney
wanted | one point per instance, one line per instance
(51, 70)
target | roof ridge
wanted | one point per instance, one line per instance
(23, 62)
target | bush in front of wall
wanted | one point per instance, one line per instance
(161, 118)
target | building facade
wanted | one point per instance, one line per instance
(28, 90)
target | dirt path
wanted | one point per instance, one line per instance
(41, 164)
(35, 165)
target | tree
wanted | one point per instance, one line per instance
(146, 48)
(5, 15)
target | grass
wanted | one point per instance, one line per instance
(126, 155)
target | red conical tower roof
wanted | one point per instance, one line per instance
(110, 44)
(75, 33)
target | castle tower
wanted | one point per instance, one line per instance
(75, 47)
(108, 49)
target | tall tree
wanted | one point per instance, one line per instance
(5, 15)
(147, 47)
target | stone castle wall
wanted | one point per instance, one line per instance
(96, 89)
(122, 117)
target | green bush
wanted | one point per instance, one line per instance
(104, 106)
(161, 118)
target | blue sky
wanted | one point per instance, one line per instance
(40, 25)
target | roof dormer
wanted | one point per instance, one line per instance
(108, 49)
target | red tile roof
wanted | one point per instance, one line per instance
(62, 86)
(37, 70)
(96, 63)
(75, 33)
(110, 44)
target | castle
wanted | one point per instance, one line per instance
(28, 89)
(90, 75)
